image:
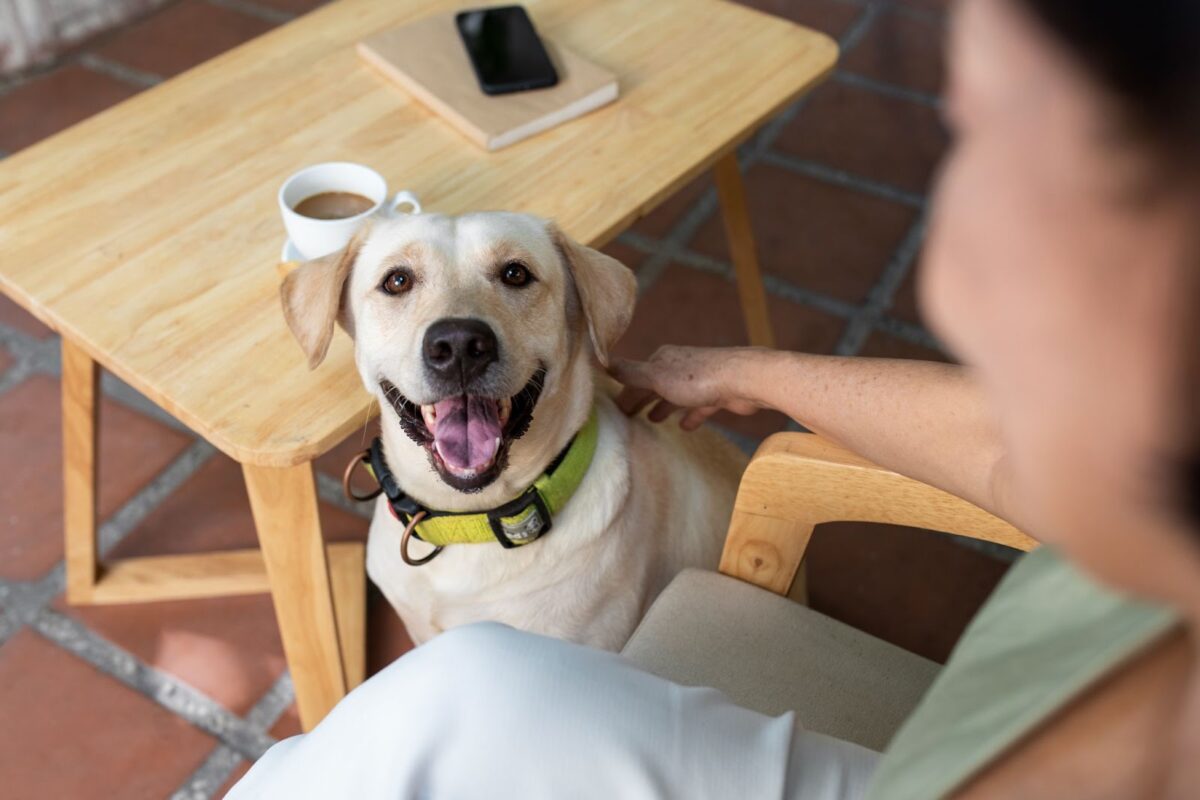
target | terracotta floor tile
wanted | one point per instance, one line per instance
(227, 647)
(880, 345)
(689, 307)
(817, 235)
(629, 256)
(181, 36)
(71, 731)
(830, 16)
(13, 316)
(659, 222)
(54, 101)
(288, 724)
(133, 449)
(211, 511)
(901, 49)
(913, 588)
(904, 302)
(865, 133)
(294, 6)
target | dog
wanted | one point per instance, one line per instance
(483, 337)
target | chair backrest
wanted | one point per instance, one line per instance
(797, 481)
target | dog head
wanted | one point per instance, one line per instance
(476, 334)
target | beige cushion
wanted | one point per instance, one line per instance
(771, 654)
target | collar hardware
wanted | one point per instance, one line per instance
(519, 522)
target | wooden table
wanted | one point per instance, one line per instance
(148, 235)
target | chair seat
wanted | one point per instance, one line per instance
(773, 655)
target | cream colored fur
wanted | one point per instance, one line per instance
(654, 501)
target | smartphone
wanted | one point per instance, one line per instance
(505, 50)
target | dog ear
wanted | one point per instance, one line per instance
(312, 296)
(607, 291)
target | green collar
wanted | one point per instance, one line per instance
(517, 522)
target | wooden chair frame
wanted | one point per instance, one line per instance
(796, 481)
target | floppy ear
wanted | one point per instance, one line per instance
(312, 299)
(607, 291)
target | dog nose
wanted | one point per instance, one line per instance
(460, 348)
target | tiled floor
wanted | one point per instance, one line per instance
(173, 699)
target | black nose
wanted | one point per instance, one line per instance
(459, 349)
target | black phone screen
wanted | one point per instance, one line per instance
(505, 50)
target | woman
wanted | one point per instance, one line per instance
(1064, 265)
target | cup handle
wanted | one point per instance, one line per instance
(403, 198)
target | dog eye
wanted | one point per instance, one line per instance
(515, 273)
(398, 281)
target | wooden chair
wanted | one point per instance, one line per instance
(738, 632)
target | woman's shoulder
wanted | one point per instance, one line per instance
(1047, 633)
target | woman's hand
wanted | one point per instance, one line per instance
(700, 379)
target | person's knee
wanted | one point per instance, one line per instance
(476, 653)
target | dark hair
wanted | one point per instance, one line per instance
(1146, 53)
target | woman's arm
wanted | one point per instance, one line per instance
(925, 420)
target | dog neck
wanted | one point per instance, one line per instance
(561, 411)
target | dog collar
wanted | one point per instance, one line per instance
(518, 522)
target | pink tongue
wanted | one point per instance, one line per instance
(466, 431)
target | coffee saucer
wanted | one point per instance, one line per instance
(289, 252)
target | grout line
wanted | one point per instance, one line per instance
(879, 299)
(839, 177)
(859, 29)
(908, 332)
(113, 69)
(151, 496)
(222, 761)
(116, 389)
(756, 148)
(251, 9)
(15, 375)
(208, 777)
(172, 694)
(774, 285)
(329, 490)
(273, 703)
(888, 89)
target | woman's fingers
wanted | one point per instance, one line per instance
(661, 411)
(696, 417)
(631, 373)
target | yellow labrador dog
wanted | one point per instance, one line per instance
(480, 335)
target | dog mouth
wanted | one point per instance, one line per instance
(466, 435)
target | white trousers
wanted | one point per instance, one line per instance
(485, 711)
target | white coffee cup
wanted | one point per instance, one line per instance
(313, 238)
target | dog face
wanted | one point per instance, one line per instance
(465, 328)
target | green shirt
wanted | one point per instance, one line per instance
(1045, 635)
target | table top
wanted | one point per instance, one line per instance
(149, 234)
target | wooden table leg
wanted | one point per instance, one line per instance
(284, 503)
(742, 250)
(80, 415)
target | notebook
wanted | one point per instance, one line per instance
(427, 59)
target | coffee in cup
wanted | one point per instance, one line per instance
(333, 205)
(325, 204)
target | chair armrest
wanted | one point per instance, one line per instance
(796, 481)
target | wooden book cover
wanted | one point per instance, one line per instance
(428, 59)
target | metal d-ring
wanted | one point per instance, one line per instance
(362, 458)
(408, 530)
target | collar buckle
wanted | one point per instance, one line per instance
(521, 521)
